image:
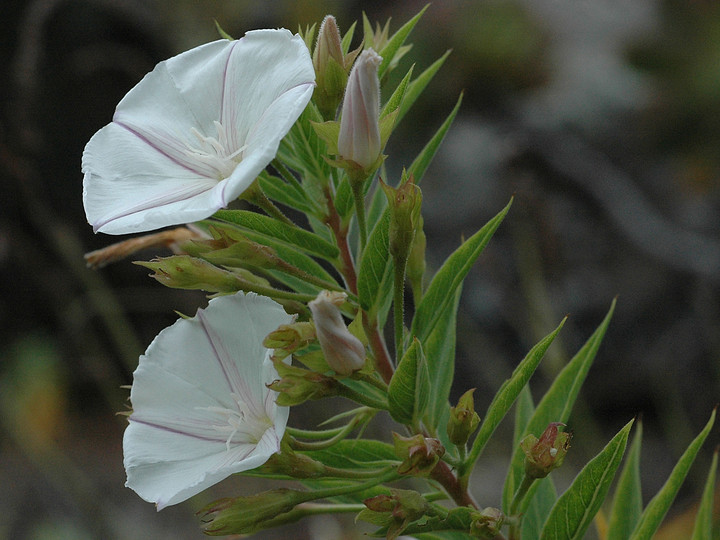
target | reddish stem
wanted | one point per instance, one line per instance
(445, 477)
(347, 268)
(383, 364)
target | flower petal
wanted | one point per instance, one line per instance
(178, 442)
(177, 135)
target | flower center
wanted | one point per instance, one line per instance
(216, 153)
(240, 424)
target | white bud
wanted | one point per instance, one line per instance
(343, 352)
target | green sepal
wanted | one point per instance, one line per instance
(347, 39)
(186, 272)
(574, 511)
(223, 33)
(328, 132)
(410, 386)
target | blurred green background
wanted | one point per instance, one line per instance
(602, 118)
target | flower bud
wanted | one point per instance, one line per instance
(289, 338)
(487, 523)
(297, 385)
(463, 419)
(546, 453)
(245, 515)
(394, 511)
(185, 272)
(404, 203)
(330, 70)
(343, 352)
(293, 464)
(359, 137)
(419, 454)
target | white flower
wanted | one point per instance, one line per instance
(195, 132)
(201, 408)
(359, 138)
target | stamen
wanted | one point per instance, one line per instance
(216, 153)
(239, 420)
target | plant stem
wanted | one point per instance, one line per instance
(347, 264)
(349, 393)
(444, 476)
(399, 308)
(358, 191)
(520, 494)
(383, 364)
(256, 196)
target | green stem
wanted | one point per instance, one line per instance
(357, 185)
(338, 436)
(383, 364)
(312, 434)
(514, 505)
(355, 474)
(377, 383)
(349, 393)
(274, 293)
(288, 268)
(256, 196)
(399, 308)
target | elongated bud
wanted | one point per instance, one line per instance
(359, 137)
(546, 453)
(404, 203)
(293, 464)
(330, 71)
(343, 352)
(245, 515)
(419, 454)
(186, 272)
(463, 419)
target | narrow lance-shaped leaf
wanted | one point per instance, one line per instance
(410, 386)
(450, 276)
(423, 159)
(704, 519)
(375, 272)
(509, 391)
(557, 403)
(660, 503)
(295, 236)
(416, 87)
(439, 349)
(395, 42)
(575, 509)
(627, 502)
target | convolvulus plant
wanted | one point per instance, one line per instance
(302, 292)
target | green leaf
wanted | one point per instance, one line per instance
(396, 41)
(410, 386)
(398, 95)
(439, 349)
(423, 159)
(356, 454)
(627, 501)
(557, 403)
(449, 277)
(286, 194)
(524, 409)
(375, 276)
(294, 236)
(416, 87)
(660, 503)
(704, 518)
(575, 509)
(509, 391)
(539, 508)
(347, 38)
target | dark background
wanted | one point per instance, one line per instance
(601, 117)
